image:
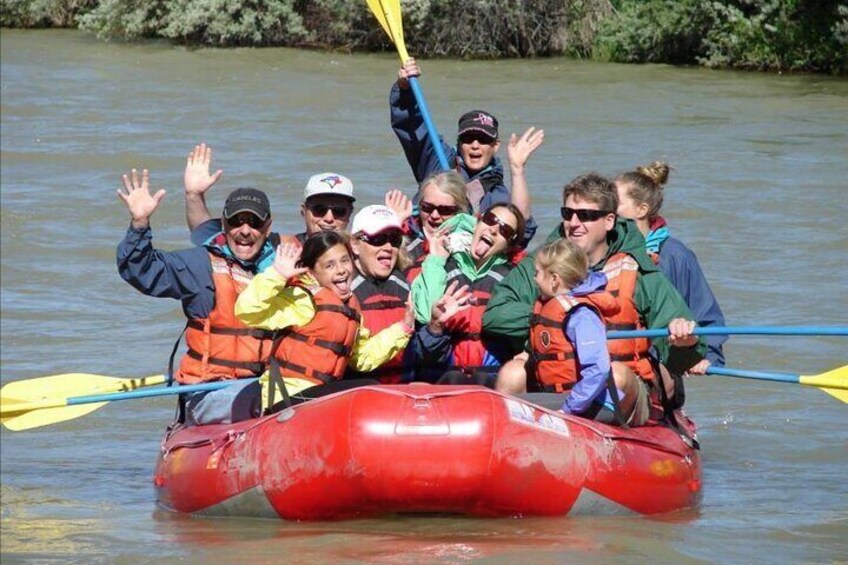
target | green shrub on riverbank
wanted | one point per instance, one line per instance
(790, 35)
(781, 35)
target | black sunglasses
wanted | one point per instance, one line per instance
(320, 210)
(482, 138)
(582, 214)
(253, 221)
(393, 238)
(506, 230)
(428, 208)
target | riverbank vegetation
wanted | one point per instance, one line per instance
(766, 35)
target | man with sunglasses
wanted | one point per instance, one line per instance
(615, 247)
(327, 201)
(207, 280)
(474, 156)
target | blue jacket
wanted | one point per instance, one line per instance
(680, 265)
(185, 275)
(409, 127)
(587, 334)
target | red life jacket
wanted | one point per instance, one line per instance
(552, 356)
(465, 327)
(383, 303)
(319, 351)
(220, 347)
(622, 270)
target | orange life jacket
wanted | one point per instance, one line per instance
(622, 270)
(383, 303)
(552, 354)
(320, 350)
(220, 347)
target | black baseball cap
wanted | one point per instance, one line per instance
(479, 121)
(247, 200)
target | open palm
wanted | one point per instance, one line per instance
(136, 196)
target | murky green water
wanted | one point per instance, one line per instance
(759, 193)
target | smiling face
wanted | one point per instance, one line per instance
(246, 234)
(591, 235)
(326, 212)
(431, 196)
(477, 151)
(488, 240)
(334, 270)
(377, 261)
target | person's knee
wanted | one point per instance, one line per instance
(512, 378)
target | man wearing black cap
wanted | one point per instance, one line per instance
(327, 200)
(475, 154)
(207, 280)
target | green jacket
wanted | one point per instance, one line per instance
(657, 301)
(430, 285)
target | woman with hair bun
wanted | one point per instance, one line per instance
(640, 195)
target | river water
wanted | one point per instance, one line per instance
(758, 192)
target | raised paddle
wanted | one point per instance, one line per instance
(834, 382)
(738, 330)
(388, 14)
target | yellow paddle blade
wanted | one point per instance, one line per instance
(57, 388)
(389, 15)
(834, 382)
(35, 418)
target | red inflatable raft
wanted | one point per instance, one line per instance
(421, 448)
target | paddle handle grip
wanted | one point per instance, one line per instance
(740, 330)
(432, 133)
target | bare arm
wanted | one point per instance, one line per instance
(519, 150)
(197, 181)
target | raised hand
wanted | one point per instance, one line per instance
(519, 149)
(453, 301)
(140, 203)
(196, 178)
(399, 204)
(439, 243)
(285, 261)
(409, 69)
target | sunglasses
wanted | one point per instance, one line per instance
(428, 208)
(320, 210)
(506, 230)
(253, 221)
(582, 214)
(393, 238)
(481, 138)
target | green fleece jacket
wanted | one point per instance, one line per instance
(430, 285)
(657, 301)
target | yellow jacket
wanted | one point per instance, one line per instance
(268, 303)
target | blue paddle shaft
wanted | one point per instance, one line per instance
(431, 128)
(740, 330)
(757, 375)
(162, 391)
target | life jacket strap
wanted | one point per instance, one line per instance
(252, 332)
(255, 368)
(307, 372)
(339, 349)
